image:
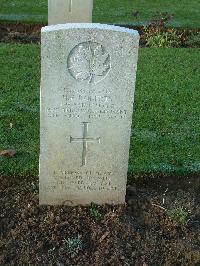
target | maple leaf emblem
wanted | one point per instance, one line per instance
(89, 61)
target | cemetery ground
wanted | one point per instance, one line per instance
(180, 22)
(160, 223)
(186, 13)
(165, 122)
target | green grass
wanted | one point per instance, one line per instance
(186, 13)
(179, 215)
(23, 10)
(19, 101)
(166, 133)
(166, 122)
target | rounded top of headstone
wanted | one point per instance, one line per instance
(89, 26)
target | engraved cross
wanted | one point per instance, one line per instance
(70, 5)
(85, 140)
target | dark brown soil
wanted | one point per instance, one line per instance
(20, 33)
(138, 233)
(30, 33)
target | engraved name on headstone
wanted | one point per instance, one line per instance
(66, 11)
(87, 95)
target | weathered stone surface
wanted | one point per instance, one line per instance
(69, 11)
(87, 94)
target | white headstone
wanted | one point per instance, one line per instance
(87, 95)
(66, 11)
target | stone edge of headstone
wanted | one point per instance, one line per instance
(89, 26)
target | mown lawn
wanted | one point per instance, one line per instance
(165, 136)
(186, 13)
